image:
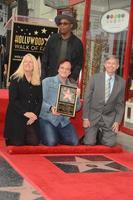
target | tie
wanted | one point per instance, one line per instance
(107, 89)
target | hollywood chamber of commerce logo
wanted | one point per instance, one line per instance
(115, 20)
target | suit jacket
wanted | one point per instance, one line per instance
(94, 106)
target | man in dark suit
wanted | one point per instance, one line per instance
(104, 104)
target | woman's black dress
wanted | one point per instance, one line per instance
(23, 97)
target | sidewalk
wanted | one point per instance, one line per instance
(126, 141)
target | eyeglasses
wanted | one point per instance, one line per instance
(64, 23)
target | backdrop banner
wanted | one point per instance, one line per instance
(27, 38)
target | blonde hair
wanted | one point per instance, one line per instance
(35, 79)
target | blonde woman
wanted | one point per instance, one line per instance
(25, 99)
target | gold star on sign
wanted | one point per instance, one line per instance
(44, 30)
(35, 32)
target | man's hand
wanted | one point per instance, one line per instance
(115, 127)
(54, 112)
(86, 123)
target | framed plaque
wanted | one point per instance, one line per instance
(66, 100)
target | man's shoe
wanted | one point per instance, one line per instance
(81, 140)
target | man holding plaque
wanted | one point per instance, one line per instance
(55, 127)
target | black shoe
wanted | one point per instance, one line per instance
(99, 137)
(81, 140)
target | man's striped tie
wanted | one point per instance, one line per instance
(107, 89)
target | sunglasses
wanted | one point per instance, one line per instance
(64, 23)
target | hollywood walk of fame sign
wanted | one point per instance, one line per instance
(26, 38)
(66, 100)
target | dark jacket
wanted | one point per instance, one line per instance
(51, 55)
(23, 97)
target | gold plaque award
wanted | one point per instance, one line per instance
(66, 100)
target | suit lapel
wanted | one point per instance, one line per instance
(103, 85)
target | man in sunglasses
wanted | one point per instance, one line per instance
(63, 45)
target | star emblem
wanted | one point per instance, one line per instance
(67, 95)
(87, 165)
(35, 32)
(44, 30)
(26, 191)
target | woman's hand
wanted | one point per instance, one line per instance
(31, 116)
(30, 121)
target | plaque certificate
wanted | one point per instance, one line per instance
(66, 100)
